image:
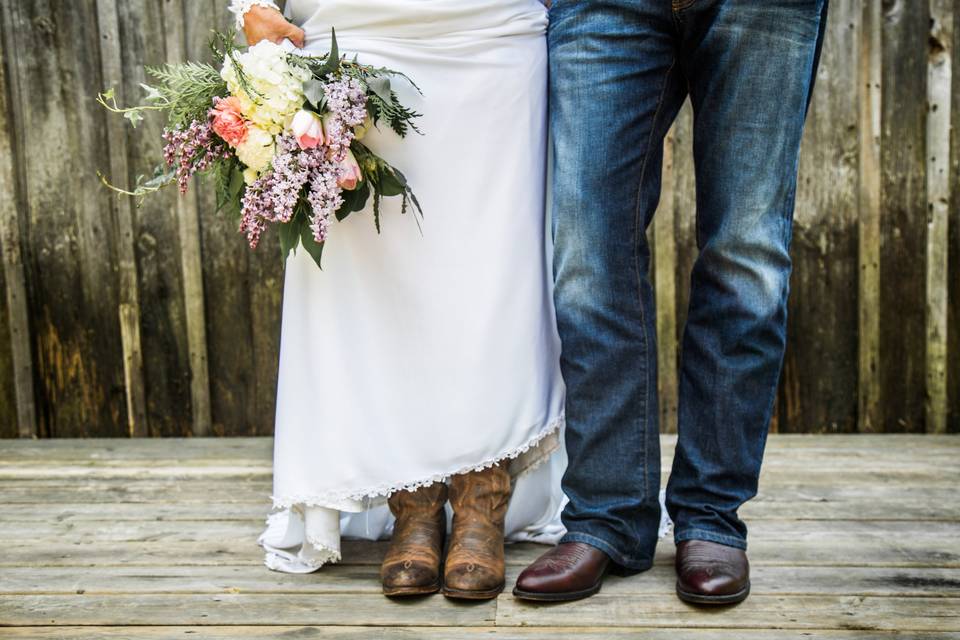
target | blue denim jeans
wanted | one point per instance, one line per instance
(620, 70)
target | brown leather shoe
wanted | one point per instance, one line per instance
(569, 571)
(711, 573)
(474, 569)
(412, 564)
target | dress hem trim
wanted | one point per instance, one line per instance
(333, 498)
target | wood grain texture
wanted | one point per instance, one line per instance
(869, 198)
(182, 22)
(665, 290)
(363, 578)
(903, 210)
(939, 85)
(8, 397)
(313, 632)
(821, 324)
(788, 612)
(17, 402)
(953, 239)
(128, 311)
(163, 320)
(875, 558)
(72, 288)
(873, 335)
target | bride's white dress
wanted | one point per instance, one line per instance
(415, 355)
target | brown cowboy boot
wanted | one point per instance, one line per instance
(412, 564)
(475, 565)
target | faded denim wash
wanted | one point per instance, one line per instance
(620, 70)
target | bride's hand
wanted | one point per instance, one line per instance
(265, 23)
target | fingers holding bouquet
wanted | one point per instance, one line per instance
(267, 23)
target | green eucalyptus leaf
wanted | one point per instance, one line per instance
(314, 248)
(354, 200)
(390, 184)
(237, 184)
(160, 178)
(314, 92)
(290, 235)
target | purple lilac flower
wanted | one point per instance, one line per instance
(191, 149)
(273, 197)
(348, 109)
(253, 207)
(325, 198)
(286, 178)
(347, 103)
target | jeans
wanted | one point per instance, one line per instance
(620, 71)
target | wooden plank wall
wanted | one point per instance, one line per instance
(953, 235)
(874, 343)
(158, 321)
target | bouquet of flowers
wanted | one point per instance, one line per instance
(281, 136)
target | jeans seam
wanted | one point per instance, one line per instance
(636, 260)
(710, 536)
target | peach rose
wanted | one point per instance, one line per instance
(228, 123)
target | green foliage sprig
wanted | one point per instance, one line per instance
(183, 92)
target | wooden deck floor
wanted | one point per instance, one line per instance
(851, 537)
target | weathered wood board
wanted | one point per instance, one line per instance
(836, 553)
(870, 296)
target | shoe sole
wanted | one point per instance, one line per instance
(404, 592)
(463, 594)
(564, 596)
(699, 598)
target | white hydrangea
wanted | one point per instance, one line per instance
(256, 151)
(276, 87)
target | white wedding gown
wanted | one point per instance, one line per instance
(414, 355)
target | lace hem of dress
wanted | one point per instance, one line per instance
(322, 553)
(303, 555)
(339, 497)
(240, 7)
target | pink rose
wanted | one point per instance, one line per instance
(228, 123)
(307, 128)
(350, 174)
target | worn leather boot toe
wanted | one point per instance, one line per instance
(412, 564)
(475, 566)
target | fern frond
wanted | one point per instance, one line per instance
(188, 89)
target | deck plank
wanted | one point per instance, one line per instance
(909, 503)
(850, 537)
(444, 633)
(766, 580)
(759, 611)
(899, 534)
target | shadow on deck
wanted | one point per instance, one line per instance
(851, 537)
